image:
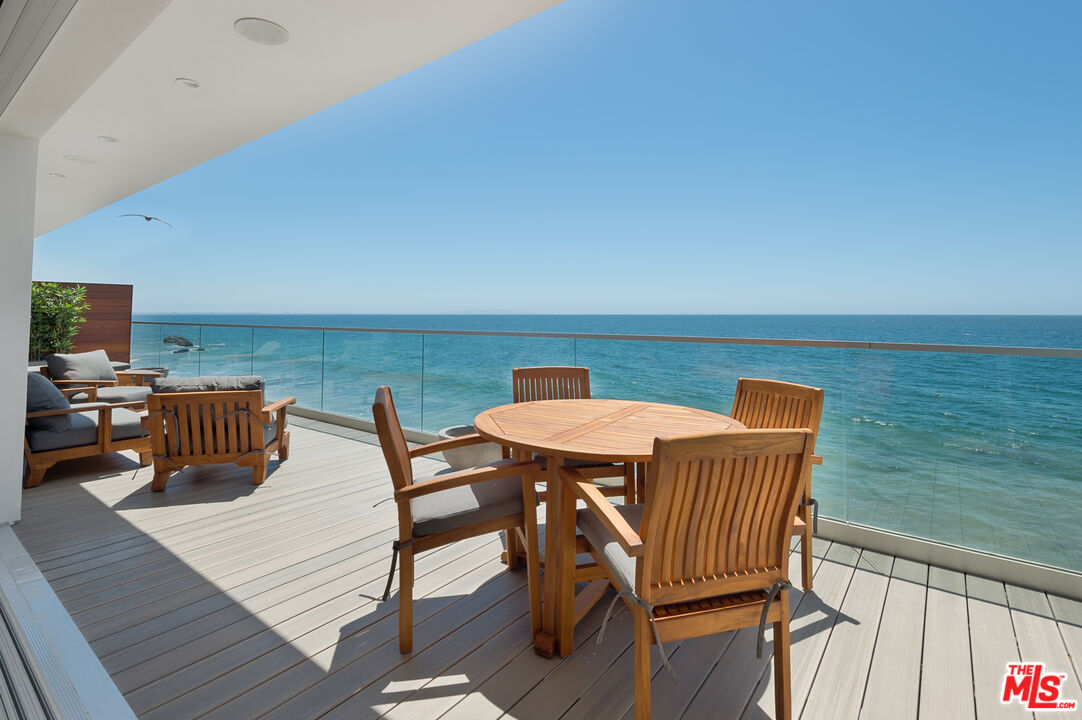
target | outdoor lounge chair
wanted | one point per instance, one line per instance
(708, 552)
(572, 383)
(56, 430)
(214, 421)
(450, 506)
(783, 405)
(99, 379)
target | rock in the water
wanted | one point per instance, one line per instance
(178, 340)
(180, 350)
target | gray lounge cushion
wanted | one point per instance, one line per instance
(41, 394)
(206, 384)
(84, 430)
(116, 394)
(457, 507)
(622, 565)
(92, 365)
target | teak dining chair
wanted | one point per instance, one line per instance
(571, 383)
(450, 506)
(784, 405)
(708, 551)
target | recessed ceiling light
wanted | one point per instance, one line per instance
(107, 139)
(261, 31)
(81, 159)
(186, 82)
(57, 175)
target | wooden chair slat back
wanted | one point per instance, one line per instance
(214, 423)
(391, 438)
(550, 383)
(776, 404)
(719, 510)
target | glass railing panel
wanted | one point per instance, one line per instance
(225, 351)
(357, 363)
(980, 451)
(704, 375)
(146, 345)
(181, 349)
(291, 363)
(465, 374)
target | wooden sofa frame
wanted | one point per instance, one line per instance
(237, 418)
(39, 462)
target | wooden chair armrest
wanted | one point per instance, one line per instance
(449, 444)
(279, 404)
(137, 377)
(614, 522)
(84, 383)
(817, 459)
(492, 471)
(83, 407)
(90, 390)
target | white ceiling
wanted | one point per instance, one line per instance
(337, 49)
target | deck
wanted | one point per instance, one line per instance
(218, 599)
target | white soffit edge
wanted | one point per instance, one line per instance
(336, 49)
(26, 27)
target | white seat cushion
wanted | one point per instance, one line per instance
(620, 563)
(457, 507)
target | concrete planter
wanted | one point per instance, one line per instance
(471, 455)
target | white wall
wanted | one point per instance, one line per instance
(18, 168)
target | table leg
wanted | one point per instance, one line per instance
(566, 570)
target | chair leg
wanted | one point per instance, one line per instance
(640, 481)
(806, 557)
(259, 472)
(514, 550)
(283, 446)
(35, 476)
(533, 556)
(783, 695)
(564, 578)
(642, 663)
(405, 600)
(145, 459)
(161, 476)
(629, 484)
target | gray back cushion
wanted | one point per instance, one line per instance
(92, 365)
(204, 384)
(43, 395)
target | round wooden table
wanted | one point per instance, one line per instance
(617, 431)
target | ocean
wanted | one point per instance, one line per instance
(980, 451)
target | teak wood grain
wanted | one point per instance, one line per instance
(714, 539)
(215, 428)
(559, 382)
(398, 456)
(616, 431)
(108, 320)
(782, 405)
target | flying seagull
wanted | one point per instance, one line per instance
(148, 218)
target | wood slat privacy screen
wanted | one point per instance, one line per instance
(108, 321)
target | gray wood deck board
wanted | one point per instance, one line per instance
(893, 688)
(947, 664)
(223, 600)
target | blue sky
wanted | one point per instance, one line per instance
(610, 156)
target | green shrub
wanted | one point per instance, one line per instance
(56, 312)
